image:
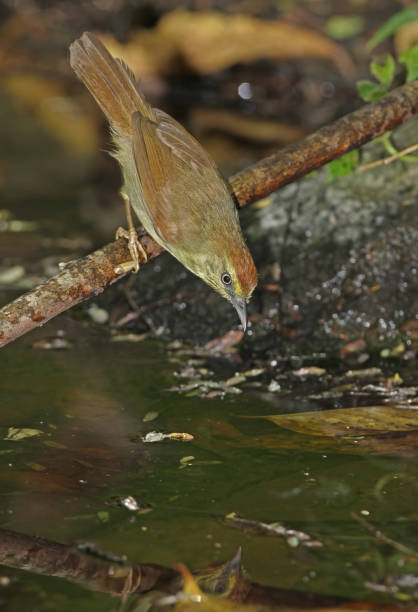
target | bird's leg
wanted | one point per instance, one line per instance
(135, 247)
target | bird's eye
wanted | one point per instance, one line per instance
(226, 279)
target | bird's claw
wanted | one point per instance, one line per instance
(135, 249)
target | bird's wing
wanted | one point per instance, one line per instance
(178, 178)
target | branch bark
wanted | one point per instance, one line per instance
(50, 558)
(91, 274)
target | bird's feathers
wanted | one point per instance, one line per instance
(172, 184)
(174, 172)
(109, 81)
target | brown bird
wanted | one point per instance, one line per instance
(170, 181)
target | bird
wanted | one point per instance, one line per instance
(169, 180)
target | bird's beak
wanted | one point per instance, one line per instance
(241, 308)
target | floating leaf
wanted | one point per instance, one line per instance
(37, 467)
(103, 516)
(150, 416)
(129, 503)
(363, 420)
(183, 436)
(186, 462)
(53, 444)
(155, 436)
(17, 434)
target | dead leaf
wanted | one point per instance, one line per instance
(363, 420)
(225, 342)
(156, 436)
(366, 373)
(211, 40)
(312, 371)
(208, 41)
(353, 347)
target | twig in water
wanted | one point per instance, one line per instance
(384, 538)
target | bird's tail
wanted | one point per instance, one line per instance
(109, 81)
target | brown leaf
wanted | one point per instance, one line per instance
(208, 41)
(353, 347)
(211, 41)
(363, 420)
(225, 342)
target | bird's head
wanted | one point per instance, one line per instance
(231, 273)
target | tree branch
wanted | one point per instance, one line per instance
(91, 274)
(329, 142)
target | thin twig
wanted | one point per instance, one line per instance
(92, 274)
(388, 160)
(384, 538)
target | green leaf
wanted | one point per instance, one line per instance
(343, 165)
(369, 91)
(103, 516)
(394, 23)
(410, 59)
(384, 72)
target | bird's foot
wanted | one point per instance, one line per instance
(135, 249)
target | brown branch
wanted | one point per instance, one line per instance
(50, 558)
(105, 573)
(79, 281)
(92, 274)
(326, 144)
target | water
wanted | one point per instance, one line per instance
(90, 401)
